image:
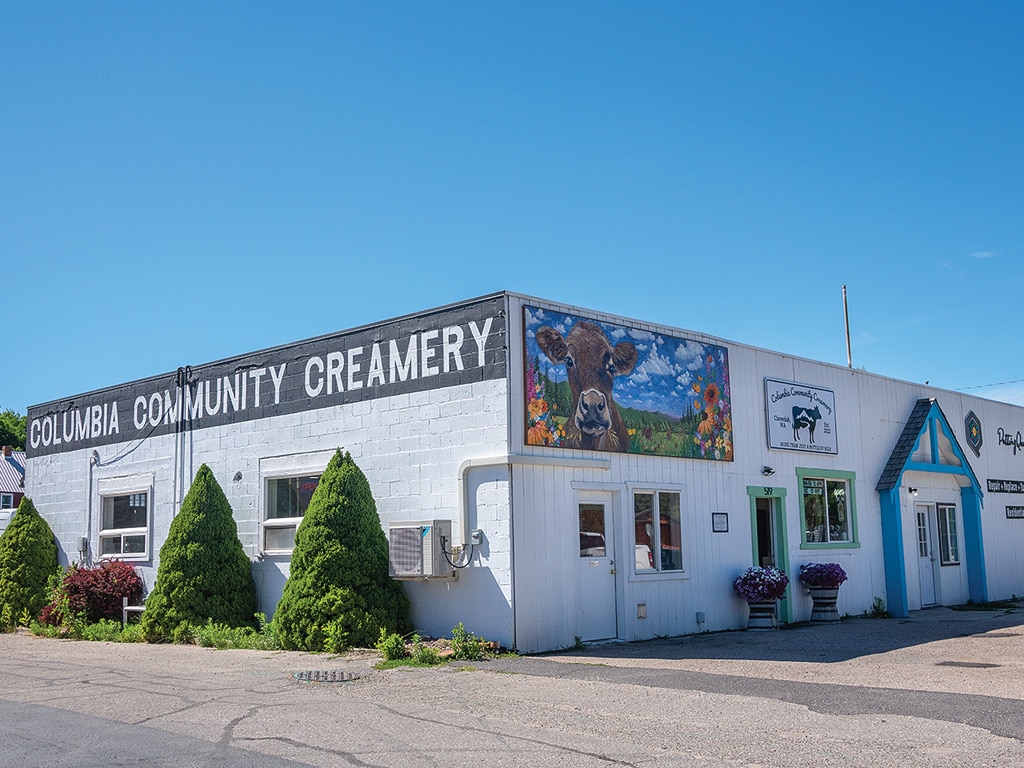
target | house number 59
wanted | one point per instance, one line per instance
(768, 490)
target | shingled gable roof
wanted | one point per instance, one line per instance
(12, 472)
(905, 445)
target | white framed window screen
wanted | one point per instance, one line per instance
(287, 484)
(125, 517)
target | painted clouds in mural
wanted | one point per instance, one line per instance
(605, 387)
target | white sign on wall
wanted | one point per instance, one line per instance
(800, 417)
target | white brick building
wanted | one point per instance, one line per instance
(470, 414)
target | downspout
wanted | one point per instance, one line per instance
(94, 459)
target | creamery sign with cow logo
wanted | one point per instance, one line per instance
(800, 417)
(599, 386)
(448, 347)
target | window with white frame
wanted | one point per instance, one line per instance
(286, 501)
(6, 501)
(124, 526)
(657, 532)
(949, 548)
(828, 507)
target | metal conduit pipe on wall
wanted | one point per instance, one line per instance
(510, 460)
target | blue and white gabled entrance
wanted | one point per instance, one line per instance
(929, 445)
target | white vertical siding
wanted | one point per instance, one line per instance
(871, 412)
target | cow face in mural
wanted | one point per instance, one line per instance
(592, 364)
(671, 395)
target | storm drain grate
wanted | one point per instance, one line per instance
(970, 664)
(325, 676)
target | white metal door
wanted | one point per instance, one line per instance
(925, 554)
(596, 566)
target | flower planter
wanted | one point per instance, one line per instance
(824, 610)
(762, 614)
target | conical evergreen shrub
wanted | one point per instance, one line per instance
(28, 557)
(339, 593)
(204, 574)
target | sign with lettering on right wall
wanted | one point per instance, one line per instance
(800, 417)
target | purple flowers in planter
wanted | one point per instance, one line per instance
(827, 575)
(760, 584)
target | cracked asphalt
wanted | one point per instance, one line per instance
(943, 688)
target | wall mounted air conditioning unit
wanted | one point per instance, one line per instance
(417, 550)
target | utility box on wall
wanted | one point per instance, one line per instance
(420, 550)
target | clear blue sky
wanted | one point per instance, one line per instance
(183, 182)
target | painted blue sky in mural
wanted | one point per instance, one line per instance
(666, 370)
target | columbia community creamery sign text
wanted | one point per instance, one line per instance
(448, 347)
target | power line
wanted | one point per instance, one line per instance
(997, 384)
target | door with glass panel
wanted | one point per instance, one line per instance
(595, 614)
(925, 553)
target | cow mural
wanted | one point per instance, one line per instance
(592, 364)
(598, 386)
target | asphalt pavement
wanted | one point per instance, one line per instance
(943, 687)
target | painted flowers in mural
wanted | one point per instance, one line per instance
(541, 426)
(599, 386)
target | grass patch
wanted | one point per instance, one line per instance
(105, 631)
(222, 637)
(210, 635)
(407, 662)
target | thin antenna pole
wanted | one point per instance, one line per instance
(846, 316)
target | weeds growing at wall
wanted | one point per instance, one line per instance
(222, 637)
(105, 630)
(415, 651)
(878, 610)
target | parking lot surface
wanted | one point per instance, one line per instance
(943, 687)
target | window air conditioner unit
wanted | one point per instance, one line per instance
(417, 550)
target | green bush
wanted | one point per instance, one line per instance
(28, 557)
(466, 645)
(66, 619)
(391, 645)
(338, 593)
(395, 652)
(424, 654)
(132, 633)
(204, 574)
(104, 630)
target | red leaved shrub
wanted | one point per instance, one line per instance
(96, 593)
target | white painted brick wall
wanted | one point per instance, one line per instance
(409, 446)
